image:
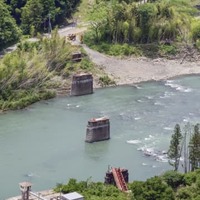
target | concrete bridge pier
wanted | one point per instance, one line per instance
(82, 84)
(98, 129)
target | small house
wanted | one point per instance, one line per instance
(72, 196)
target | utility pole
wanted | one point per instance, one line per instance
(49, 25)
(185, 152)
(186, 140)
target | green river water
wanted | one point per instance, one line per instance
(44, 144)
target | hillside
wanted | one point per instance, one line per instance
(40, 70)
(143, 28)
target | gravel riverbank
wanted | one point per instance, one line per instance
(135, 70)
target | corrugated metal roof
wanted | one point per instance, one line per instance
(72, 196)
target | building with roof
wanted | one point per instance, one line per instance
(72, 196)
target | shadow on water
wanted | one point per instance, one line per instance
(97, 150)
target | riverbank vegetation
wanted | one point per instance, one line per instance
(171, 185)
(131, 24)
(36, 70)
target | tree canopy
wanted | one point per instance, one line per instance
(136, 22)
(32, 16)
(9, 32)
(35, 14)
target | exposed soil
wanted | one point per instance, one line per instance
(134, 70)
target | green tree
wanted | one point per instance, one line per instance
(49, 13)
(184, 193)
(9, 32)
(173, 179)
(32, 16)
(174, 151)
(152, 189)
(194, 148)
(146, 14)
(137, 187)
(97, 18)
(196, 29)
(16, 8)
(132, 22)
(190, 178)
(156, 189)
(58, 10)
(65, 8)
(92, 190)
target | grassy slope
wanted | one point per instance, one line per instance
(37, 71)
(22, 85)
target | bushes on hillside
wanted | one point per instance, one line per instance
(35, 69)
(169, 186)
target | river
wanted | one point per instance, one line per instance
(44, 144)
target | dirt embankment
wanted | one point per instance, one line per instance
(134, 70)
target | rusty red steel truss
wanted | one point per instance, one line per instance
(119, 179)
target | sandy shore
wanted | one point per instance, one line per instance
(135, 70)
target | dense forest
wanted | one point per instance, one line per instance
(112, 22)
(19, 17)
(138, 23)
